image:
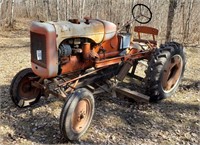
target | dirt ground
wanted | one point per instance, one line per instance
(116, 120)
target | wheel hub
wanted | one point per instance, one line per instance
(26, 87)
(26, 91)
(81, 115)
(172, 73)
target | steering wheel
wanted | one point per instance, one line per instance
(141, 13)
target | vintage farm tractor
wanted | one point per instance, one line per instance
(71, 59)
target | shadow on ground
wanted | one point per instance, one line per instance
(115, 120)
(191, 85)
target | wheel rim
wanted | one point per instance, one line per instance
(26, 90)
(81, 115)
(172, 73)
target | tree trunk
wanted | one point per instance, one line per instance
(1, 2)
(12, 14)
(83, 8)
(27, 9)
(47, 9)
(110, 11)
(31, 8)
(58, 10)
(171, 13)
(183, 21)
(80, 11)
(72, 9)
(36, 9)
(67, 9)
(187, 26)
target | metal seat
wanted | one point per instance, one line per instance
(146, 30)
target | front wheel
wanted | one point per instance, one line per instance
(77, 114)
(23, 94)
(165, 71)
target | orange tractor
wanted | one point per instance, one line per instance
(70, 59)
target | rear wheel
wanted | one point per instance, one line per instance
(22, 92)
(77, 114)
(165, 71)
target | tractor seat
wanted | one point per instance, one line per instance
(146, 30)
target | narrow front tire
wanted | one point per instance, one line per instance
(77, 114)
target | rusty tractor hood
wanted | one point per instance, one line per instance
(96, 30)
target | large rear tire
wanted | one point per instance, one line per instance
(165, 71)
(77, 114)
(23, 94)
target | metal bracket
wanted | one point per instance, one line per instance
(138, 97)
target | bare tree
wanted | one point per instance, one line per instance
(27, 8)
(12, 14)
(83, 8)
(31, 8)
(67, 9)
(1, 2)
(171, 13)
(187, 25)
(58, 10)
(47, 9)
(36, 8)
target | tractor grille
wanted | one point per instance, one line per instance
(38, 49)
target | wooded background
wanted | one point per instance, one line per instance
(177, 20)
